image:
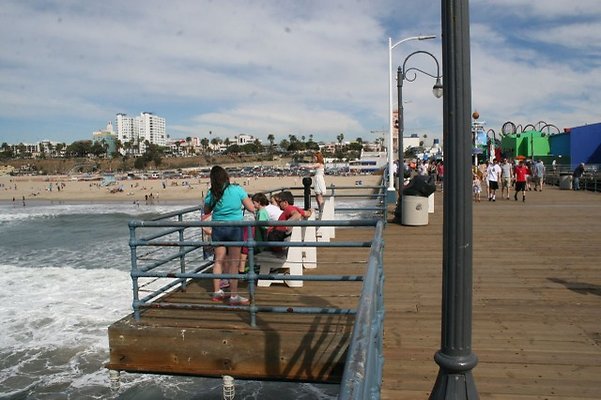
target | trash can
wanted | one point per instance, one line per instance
(565, 181)
(415, 210)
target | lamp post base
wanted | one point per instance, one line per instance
(455, 379)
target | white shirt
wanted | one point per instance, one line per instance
(274, 212)
(493, 172)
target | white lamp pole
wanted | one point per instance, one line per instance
(391, 123)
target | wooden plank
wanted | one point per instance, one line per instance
(288, 346)
(536, 299)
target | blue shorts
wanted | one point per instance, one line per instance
(227, 234)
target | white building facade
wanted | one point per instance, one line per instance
(137, 130)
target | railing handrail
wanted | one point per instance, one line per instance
(363, 367)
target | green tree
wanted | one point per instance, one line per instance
(355, 146)
(189, 142)
(250, 148)
(204, 142)
(97, 149)
(284, 144)
(118, 146)
(215, 142)
(59, 148)
(140, 163)
(271, 139)
(80, 148)
(7, 151)
(233, 149)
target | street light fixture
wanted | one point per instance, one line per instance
(402, 75)
(390, 121)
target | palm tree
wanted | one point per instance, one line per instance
(214, 143)
(205, 144)
(118, 147)
(50, 149)
(59, 148)
(271, 139)
(340, 138)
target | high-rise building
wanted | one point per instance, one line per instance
(137, 130)
(152, 128)
(127, 131)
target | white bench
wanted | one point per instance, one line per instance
(325, 233)
(293, 262)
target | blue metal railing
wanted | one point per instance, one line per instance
(170, 247)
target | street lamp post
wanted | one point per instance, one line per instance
(436, 90)
(492, 155)
(455, 357)
(390, 121)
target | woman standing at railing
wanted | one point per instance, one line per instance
(224, 201)
(319, 182)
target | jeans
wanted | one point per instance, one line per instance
(576, 183)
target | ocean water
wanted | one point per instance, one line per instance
(64, 278)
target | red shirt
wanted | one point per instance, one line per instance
(286, 214)
(520, 172)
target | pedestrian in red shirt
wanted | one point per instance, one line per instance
(520, 172)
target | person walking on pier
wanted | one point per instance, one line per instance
(224, 201)
(476, 187)
(538, 174)
(506, 177)
(520, 172)
(493, 172)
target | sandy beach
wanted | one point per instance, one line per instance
(65, 189)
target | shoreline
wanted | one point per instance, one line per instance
(39, 189)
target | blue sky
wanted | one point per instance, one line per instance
(284, 67)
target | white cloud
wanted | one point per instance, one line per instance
(289, 67)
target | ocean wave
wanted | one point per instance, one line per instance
(12, 213)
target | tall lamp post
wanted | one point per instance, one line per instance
(390, 121)
(436, 90)
(493, 146)
(455, 357)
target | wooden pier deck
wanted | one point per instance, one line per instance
(536, 305)
(536, 310)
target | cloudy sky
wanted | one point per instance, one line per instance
(259, 67)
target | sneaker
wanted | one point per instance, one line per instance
(224, 284)
(218, 296)
(238, 300)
